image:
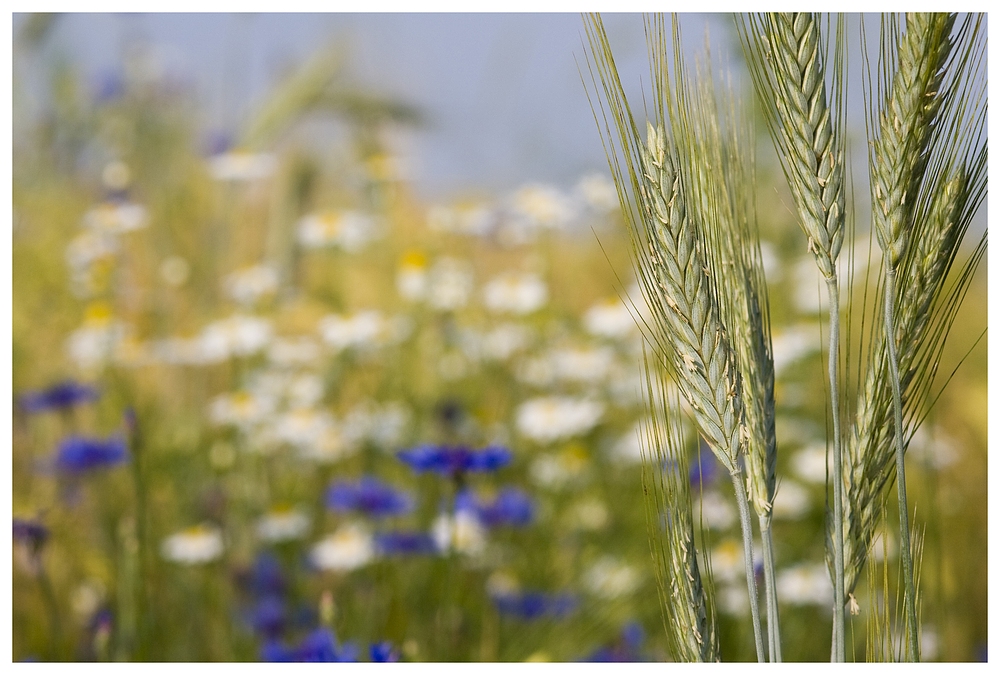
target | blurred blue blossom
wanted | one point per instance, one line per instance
(511, 507)
(370, 496)
(31, 533)
(269, 616)
(60, 396)
(264, 577)
(383, 652)
(706, 469)
(320, 646)
(78, 454)
(109, 86)
(627, 648)
(455, 460)
(534, 605)
(404, 543)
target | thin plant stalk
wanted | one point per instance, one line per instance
(786, 54)
(770, 589)
(839, 649)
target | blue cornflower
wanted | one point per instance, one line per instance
(109, 86)
(383, 652)
(265, 577)
(217, 142)
(405, 543)
(534, 605)
(60, 396)
(78, 454)
(511, 507)
(320, 646)
(31, 533)
(274, 651)
(455, 460)
(370, 496)
(269, 616)
(705, 470)
(627, 648)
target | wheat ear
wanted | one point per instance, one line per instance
(688, 334)
(953, 187)
(899, 160)
(717, 150)
(688, 615)
(786, 63)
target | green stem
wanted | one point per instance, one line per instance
(909, 591)
(744, 507)
(52, 606)
(833, 292)
(770, 590)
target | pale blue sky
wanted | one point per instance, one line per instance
(502, 91)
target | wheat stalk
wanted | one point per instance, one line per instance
(786, 63)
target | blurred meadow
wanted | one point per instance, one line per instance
(271, 401)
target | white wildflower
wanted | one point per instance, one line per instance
(556, 471)
(588, 514)
(715, 510)
(195, 545)
(293, 351)
(348, 230)
(794, 343)
(812, 463)
(361, 330)
(238, 335)
(791, 501)
(450, 284)
(238, 166)
(282, 524)
(505, 340)
(301, 428)
(591, 365)
(463, 532)
(469, 219)
(249, 285)
(115, 217)
(610, 578)
(515, 293)
(610, 319)
(350, 547)
(175, 270)
(242, 409)
(412, 278)
(542, 207)
(805, 584)
(598, 192)
(550, 419)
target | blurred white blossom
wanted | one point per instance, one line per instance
(193, 546)
(549, 419)
(350, 547)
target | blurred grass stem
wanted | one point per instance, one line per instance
(909, 591)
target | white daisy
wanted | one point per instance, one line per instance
(195, 545)
(515, 293)
(239, 166)
(550, 419)
(249, 285)
(282, 524)
(350, 547)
